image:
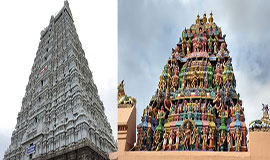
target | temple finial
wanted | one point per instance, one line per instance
(198, 19)
(204, 18)
(210, 19)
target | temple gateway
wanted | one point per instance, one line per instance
(196, 112)
(62, 116)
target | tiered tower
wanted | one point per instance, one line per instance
(62, 116)
(196, 106)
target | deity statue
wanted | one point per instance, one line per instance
(211, 139)
(206, 82)
(162, 83)
(184, 46)
(156, 140)
(194, 43)
(204, 44)
(179, 107)
(197, 139)
(165, 139)
(167, 101)
(228, 102)
(174, 81)
(188, 47)
(222, 49)
(161, 117)
(122, 97)
(238, 139)
(229, 141)
(179, 136)
(189, 33)
(210, 109)
(210, 44)
(185, 106)
(217, 100)
(204, 106)
(171, 139)
(188, 136)
(204, 139)
(265, 111)
(194, 80)
(148, 138)
(183, 82)
(222, 138)
(215, 46)
(196, 106)
(199, 45)
(141, 140)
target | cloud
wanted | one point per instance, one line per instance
(147, 30)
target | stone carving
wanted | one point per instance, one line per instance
(196, 96)
(122, 97)
(61, 111)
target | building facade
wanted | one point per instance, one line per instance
(62, 116)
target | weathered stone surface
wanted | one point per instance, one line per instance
(61, 113)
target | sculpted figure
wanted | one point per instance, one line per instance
(196, 106)
(204, 139)
(222, 138)
(228, 100)
(188, 135)
(194, 43)
(238, 139)
(183, 82)
(194, 80)
(165, 139)
(171, 138)
(174, 81)
(179, 135)
(199, 45)
(204, 44)
(210, 44)
(217, 100)
(197, 141)
(161, 117)
(141, 139)
(229, 141)
(167, 101)
(211, 139)
(185, 106)
(265, 111)
(215, 46)
(184, 46)
(156, 140)
(204, 106)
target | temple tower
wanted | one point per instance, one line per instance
(196, 106)
(62, 116)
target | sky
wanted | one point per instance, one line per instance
(21, 24)
(147, 30)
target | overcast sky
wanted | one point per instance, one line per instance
(21, 23)
(147, 30)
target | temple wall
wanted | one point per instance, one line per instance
(258, 146)
(126, 127)
(258, 150)
(188, 155)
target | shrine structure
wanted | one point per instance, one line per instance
(196, 108)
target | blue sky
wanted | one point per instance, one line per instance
(147, 30)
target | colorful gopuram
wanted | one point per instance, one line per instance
(196, 106)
